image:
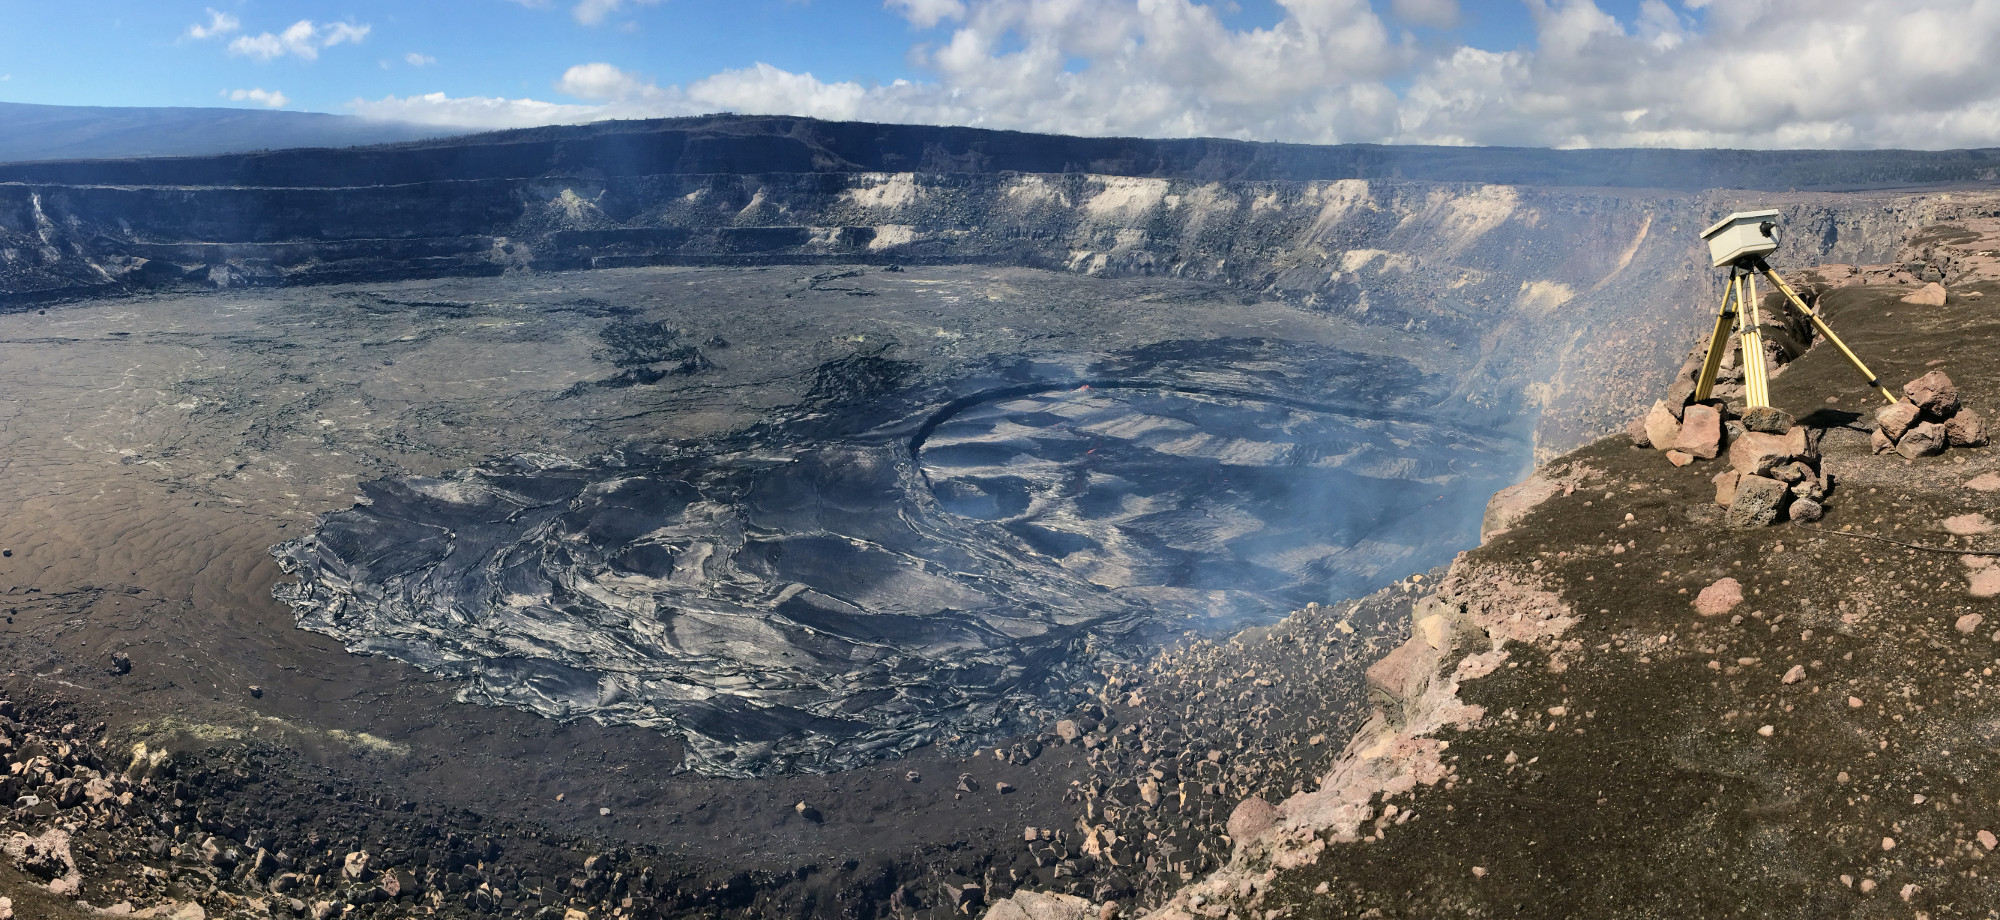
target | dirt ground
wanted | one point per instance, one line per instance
(1669, 767)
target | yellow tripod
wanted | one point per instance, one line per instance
(1739, 316)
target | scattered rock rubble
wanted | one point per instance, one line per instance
(1774, 469)
(133, 830)
(1927, 420)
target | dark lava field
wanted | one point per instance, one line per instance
(712, 522)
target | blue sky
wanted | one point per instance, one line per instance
(103, 52)
(1851, 73)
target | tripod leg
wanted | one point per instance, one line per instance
(1718, 342)
(1827, 331)
(1750, 348)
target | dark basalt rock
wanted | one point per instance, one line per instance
(889, 569)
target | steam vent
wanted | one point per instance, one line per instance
(757, 517)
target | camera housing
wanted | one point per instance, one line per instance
(1742, 235)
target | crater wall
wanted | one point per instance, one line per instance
(1573, 297)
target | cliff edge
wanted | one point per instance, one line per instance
(1567, 733)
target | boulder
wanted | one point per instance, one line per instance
(1926, 439)
(1768, 419)
(1680, 394)
(1965, 428)
(1400, 678)
(1719, 598)
(1662, 426)
(1759, 502)
(1896, 419)
(1934, 393)
(1725, 487)
(1880, 442)
(1930, 295)
(355, 866)
(1756, 452)
(1252, 816)
(1804, 511)
(1701, 432)
(1067, 730)
(1636, 430)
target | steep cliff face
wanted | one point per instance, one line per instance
(1561, 294)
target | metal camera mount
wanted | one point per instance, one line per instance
(1740, 242)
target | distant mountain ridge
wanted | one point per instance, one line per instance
(65, 132)
(751, 145)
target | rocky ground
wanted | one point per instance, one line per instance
(1624, 705)
(157, 447)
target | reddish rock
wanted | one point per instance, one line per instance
(1969, 623)
(1701, 432)
(1768, 419)
(1984, 482)
(1934, 393)
(1662, 427)
(1985, 583)
(1965, 428)
(1400, 677)
(1636, 430)
(1896, 419)
(1725, 487)
(1719, 598)
(1252, 816)
(1681, 393)
(1926, 439)
(1755, 453)
(1930, 295)
(1679, 457)
(1967, 525)
(1759, 501)
(1880, 442)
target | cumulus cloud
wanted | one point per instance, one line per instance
(419, 60)
(1689, 73)
(302, 39)
(219, 23)
(271, 98)
(600, 82)
(592, 12)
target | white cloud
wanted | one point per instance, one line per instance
(419, 60)
(1691, 73)
(592, 12)
(271, 98)
(302, 39)
(600, 82)
(925, 14)
(473, 111)
(219, 23)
